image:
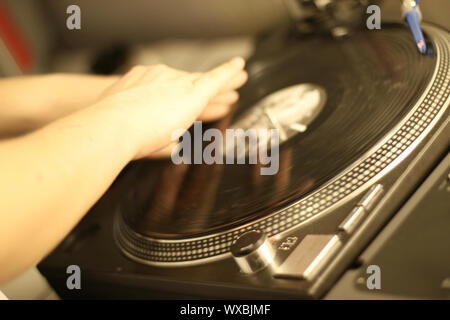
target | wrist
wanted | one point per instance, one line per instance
(119, 121)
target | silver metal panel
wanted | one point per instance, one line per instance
(309, 257)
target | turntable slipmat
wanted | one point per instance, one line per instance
(168, 213)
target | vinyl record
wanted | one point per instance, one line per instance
(370, 80)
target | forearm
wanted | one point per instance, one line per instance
(50, 179)
(30, 102)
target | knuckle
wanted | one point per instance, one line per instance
(160, 66)
(235, 96)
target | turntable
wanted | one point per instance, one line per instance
(223, 231)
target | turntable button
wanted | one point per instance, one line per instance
(252, 251)
(309, 257)
(348, 226)
(371, 197)
(354, 219)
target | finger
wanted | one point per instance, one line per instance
(214, 112)
(236, 82)
(228, 97)
(211, 82)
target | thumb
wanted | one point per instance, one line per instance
(211, 82)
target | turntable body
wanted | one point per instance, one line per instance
(384, 126)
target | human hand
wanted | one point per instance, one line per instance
(156, 100)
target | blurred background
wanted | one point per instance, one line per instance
(34, 37)
(191, 35)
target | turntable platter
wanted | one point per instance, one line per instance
(371, 80)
